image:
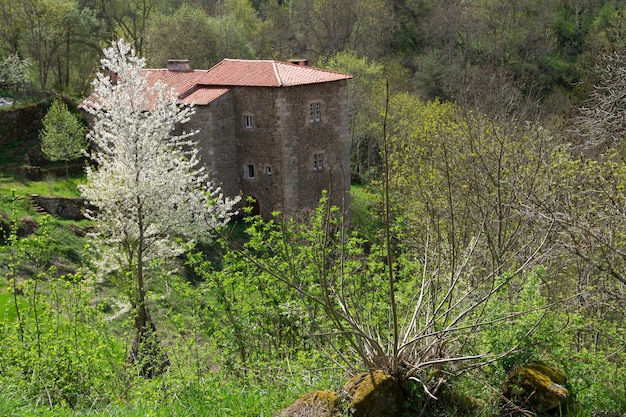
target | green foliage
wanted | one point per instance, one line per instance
(366, 212)
(179, 34)
(534, 329)
(366, 96)
(63, 135)
(55, 348)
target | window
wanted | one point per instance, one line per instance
(250, 171)
(318, 162)
(268, 170)
(247, 121)
(315, 112)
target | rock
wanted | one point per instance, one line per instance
(371, 394)
(26, 226)
(374, 394)
(314, 404)
(537, 386)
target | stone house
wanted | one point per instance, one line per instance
(274, 131)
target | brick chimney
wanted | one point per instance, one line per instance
(178, 65)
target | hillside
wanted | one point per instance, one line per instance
(481, 272)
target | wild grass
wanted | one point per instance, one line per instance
(218, 394)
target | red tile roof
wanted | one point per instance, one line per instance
(203, 95)
(199, 86)
(181, 81)
(259, 73)
(203, 86)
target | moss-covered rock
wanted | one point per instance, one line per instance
(537, 386)
(314, 404)
(374, 394)
(371, 394)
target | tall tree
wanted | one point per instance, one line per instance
(44, 32)
(316, 28)
(131, 18)
(147, 185)
(461, 179)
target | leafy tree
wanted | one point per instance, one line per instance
(61, 37)
(366, 97)
(80, 48)
(587, 203)
(131, 18)
(179, 34)
(10, 30)
(13, 74)
(315, 28)
(147, 187)
(44, 31)
(63, 135)
(464, 178)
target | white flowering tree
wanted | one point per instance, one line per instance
(147, 185)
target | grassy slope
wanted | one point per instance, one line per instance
(219, 394)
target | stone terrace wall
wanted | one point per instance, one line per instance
(23, 124)
(62, 207)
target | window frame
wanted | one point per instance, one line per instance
(318, 161)
(315, 112)
(248, 121)
(250, 171)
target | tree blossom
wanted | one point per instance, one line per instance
(147, 184)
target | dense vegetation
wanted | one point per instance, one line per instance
(487, 228)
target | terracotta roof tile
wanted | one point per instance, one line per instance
(265, 73)
(181, 81)
(204, 95)
(204, 86)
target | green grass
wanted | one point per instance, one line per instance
(218, 394)
(50, 185)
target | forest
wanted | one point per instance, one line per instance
(482, 271)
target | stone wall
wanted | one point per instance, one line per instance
(23, 124)
(303, 139)
(260, 146)
(62, 207)
(269, 129)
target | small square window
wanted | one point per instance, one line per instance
(247, 121)
(318, 162)
(250, 171)
(315, 112)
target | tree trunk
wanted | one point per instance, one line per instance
(146, 353)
